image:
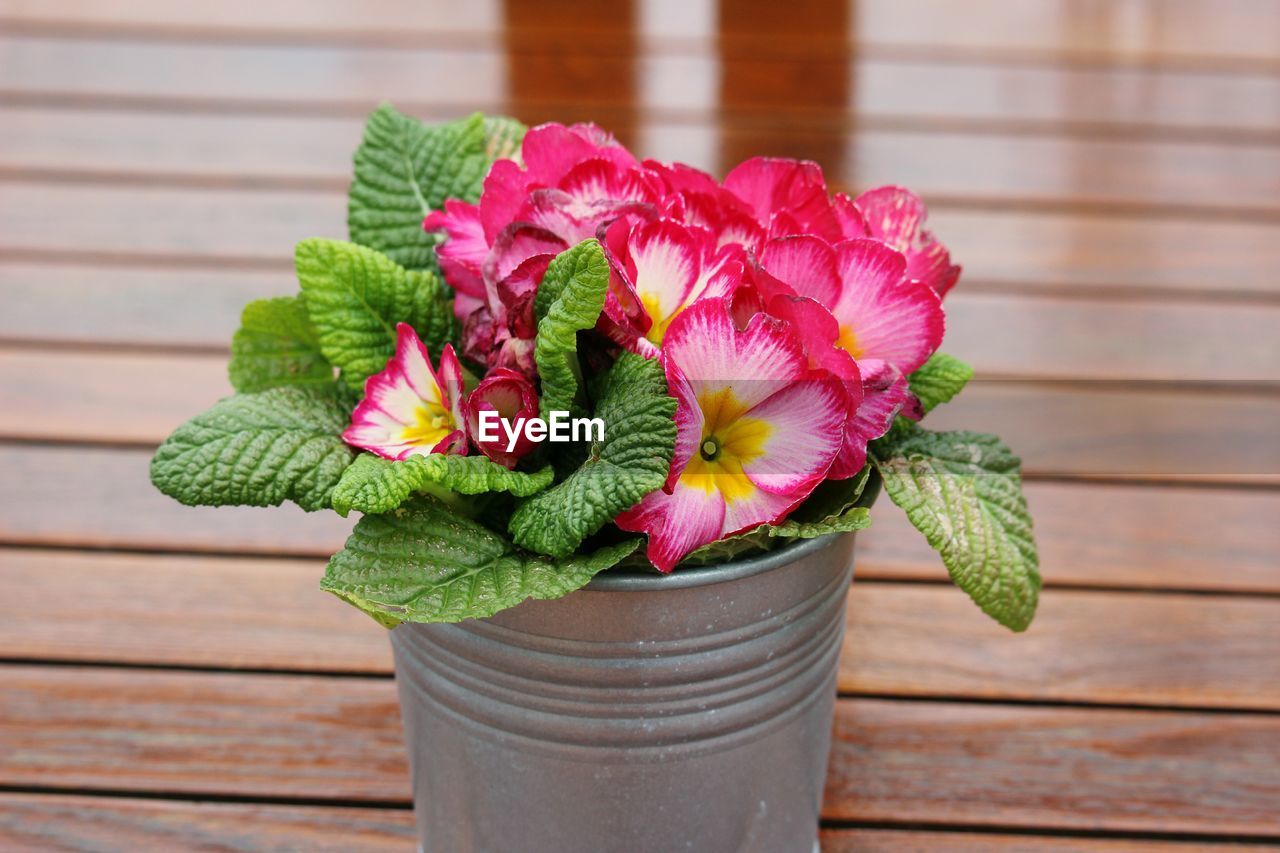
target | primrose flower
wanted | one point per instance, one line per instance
(410, 408)
(511, 396)
(657, 269)
(896, 216)
(757, 430)
(573, 181)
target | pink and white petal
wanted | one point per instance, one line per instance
(413, 361)
(807, 264)
(551, 150)
(689, 420)
(452, 383)
(885, 396)
(462, 254)
(807, 422)
(515, 245)
(677, 523)
(893, 214)
(455, 443)
(930, 262)
(714, 355)
(721, 275)
(665, 260)
(769, 185)
(759, 507)
(899, 321)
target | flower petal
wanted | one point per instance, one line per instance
(677, 523)
(807, 422)
(462, 254)
(807, 264)
(896, 216)
(771, 185)
(882, 314)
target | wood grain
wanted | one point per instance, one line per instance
(992, 765)
(972, 764)
(1105, 647)
(1091, 535)
(1151, 175)
(912, 841)
(350, 79)
(1194, 32)
(903, 639)
(68, 822)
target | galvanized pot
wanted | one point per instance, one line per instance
(642, 713)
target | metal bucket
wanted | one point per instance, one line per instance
(642, 713)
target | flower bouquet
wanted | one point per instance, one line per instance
(539, 358)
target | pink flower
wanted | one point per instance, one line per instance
(757, 430)
(896, 216)
(573, 181)
(512, 397)
(409, 408)
(658, 268)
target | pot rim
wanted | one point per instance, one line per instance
(652, 581)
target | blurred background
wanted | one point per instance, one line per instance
(1108, 174)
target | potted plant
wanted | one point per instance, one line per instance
(610, 425)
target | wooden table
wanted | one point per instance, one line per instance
(1109, 174)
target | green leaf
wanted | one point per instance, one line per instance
(277, 345)
(633, 460)
(423, 563)
(404, 169)
(569, 300)
(835, 506)
(257, 450)
(502, 139)
(963, 490)
(356, 296)
(939, 379)
(373, 484)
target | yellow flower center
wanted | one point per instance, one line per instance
(653, 308)
(730, 439)
(432, 422)
(848, 341)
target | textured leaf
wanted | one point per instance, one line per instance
(569, 300)
(257, 450)
(502, 138)
(939, 379)
(963, 490)
(836, 506)
(356, 296)
(277, 345)
(404, 169)
(373, 484)
(424, 563)
(633, 460)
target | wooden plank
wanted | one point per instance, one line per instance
(1199, 32)
(978, 765)
(130, 306)
(1092, 535)
(1105, 647)
(222, 612)
(335, 79)
(946, 167)
(69, 822)
(914, 841)
(903, 639)
(1076, 253)
(1098, 430)
(1007, 766)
